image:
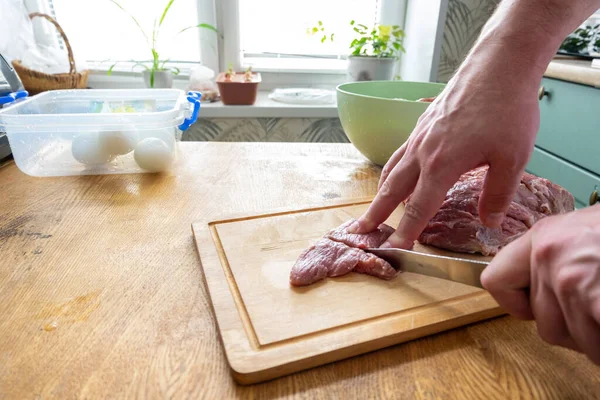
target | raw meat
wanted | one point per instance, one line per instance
(457, 227)
(361, 241)
(339, 253)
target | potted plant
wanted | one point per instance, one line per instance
(374, 51)
(238, 88)
(155, 73)
(584, 41)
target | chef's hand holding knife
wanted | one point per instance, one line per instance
(489, 114)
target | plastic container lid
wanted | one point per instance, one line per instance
(88, 109)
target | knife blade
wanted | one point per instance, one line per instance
(460, 270)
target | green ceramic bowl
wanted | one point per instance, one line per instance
(379, 116)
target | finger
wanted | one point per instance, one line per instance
(584, 330)
(392, 162)
(395, 189)
(508, 276)
(551, 324)
(425, 201)
(499, 188)
(577, 307)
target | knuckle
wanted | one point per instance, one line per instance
(413, 212)
(435, 164)
(488, 281)
(543, 253)
(567, 281)
(387, 189)
(511, 162)
(385, 172)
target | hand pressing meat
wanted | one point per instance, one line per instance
(458, 227)
(339, 253)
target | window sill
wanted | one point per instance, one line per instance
(127, 80)
(263, 108)
(267, 108)
(296, 65)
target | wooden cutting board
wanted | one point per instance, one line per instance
(270, 329)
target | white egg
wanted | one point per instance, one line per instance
(166, 135)
(117, 142)
(87, 150)
(153, 154)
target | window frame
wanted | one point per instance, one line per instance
(419, 63)
(209, 56)
(325, 75)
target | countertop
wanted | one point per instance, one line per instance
(102, 292)
(573, 70)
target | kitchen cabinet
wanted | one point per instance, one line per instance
(567, 148)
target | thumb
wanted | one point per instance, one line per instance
(499, 188)
(508, 277)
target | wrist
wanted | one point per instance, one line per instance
(522, 37)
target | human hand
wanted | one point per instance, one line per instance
(475, 121)
(552, 274)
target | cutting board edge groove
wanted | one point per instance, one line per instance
(252, 376)
(226, 219)
(366, 321)
(234, 289)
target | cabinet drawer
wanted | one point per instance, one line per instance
(570, 123)
(577, 181)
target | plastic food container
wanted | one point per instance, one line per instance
(98, 131)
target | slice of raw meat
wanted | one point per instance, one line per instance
(370, 264)
(322, 259)
(457, 227)
(361, 241)
(339, 253)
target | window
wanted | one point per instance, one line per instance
(272, 34)
(101, 33)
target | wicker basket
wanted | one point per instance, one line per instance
(36, 82)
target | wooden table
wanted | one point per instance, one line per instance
(102, 293)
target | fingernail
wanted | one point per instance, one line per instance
(353, 228)
(494, 220)
(386, 245)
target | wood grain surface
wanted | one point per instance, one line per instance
(102, 293)
(270, 329)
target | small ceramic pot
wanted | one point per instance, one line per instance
(162, 79)
(368, 68)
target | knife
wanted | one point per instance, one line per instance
(460, 270)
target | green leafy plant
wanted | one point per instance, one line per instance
(378, 41)
(157, 64)
(582, 40)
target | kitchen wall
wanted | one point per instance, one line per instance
(464, 21)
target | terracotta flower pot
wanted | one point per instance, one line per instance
(239, 88)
